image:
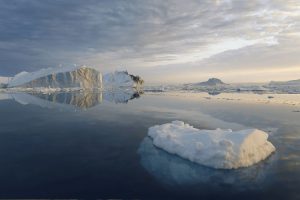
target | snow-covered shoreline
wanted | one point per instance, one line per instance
(221, 149)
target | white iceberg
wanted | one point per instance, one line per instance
(174, 172)
(121, 79)
(25, 77)
(72, 77)
(221, 149)
(62, 77)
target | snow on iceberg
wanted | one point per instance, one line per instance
(221, 149)
(121, 79)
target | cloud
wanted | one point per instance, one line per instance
(161, 38)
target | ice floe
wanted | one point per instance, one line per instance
(174, 172)
(221, 149)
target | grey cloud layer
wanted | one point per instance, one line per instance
(143, 36)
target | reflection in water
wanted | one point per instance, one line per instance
(121, 96)
(172, 171)
(83, 153)
(214, 93)
(80, 99)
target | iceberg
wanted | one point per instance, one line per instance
(174, 172)
(74, 77)
(121, 79)
(82, 77)
(25, 77)
(220, 149)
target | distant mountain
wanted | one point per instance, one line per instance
(211, 82)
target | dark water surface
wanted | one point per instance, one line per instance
(96, 146)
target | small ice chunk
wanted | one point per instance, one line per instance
(222, 149)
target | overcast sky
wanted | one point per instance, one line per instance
(163, 41)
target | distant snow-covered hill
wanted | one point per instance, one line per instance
(285, 86)
(286, 83)
(210, 82)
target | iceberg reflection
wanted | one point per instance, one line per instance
(174, 171)
(78, 99)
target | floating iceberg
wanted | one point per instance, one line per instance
(25, 77)
(174, 172)
(79, 77)
(122, 79)
(221, 149)
(72, 77)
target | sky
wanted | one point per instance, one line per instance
(163, 41)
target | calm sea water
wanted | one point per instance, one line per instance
(96, 146)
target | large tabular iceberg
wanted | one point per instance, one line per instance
(77, 77)
(222, 149)
(62, 77)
